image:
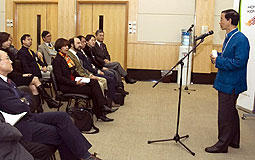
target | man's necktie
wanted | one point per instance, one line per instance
(101, 46)
(36, 58)
(49, 45)
(9, 81)
(14, 88)
(12, 85)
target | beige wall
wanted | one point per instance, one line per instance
(219, 34)
(220, 5)
(2, 15)
(144, 51)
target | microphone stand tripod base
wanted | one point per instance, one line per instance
(176, 138)
(186, 88)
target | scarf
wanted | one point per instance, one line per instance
(69, 62)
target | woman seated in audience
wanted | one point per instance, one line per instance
(65, 73)
(20, 78)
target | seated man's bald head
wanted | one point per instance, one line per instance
(5, 63)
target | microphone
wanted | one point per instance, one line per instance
(204, 35)
(190, 28)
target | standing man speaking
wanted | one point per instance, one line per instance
(230, 81)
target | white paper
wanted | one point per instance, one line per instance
(12, 119)
(214, 53)
(83, 79)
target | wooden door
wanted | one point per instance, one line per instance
(33, 19)
(85, 20)
(114, 25)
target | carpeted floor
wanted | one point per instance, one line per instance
(150, 114)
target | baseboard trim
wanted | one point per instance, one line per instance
(155, 75)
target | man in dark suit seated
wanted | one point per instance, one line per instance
(30, 61)
(9, 142)
(53, 128)
(17, 149)
(103, 57)
(109, 76)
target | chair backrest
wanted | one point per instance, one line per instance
(55, 85)
(18, 65)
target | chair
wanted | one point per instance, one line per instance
(47, 83)
(248, 115)
(67, 97)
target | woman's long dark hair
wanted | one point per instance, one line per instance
(3, 38)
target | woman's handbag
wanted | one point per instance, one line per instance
(83, 119)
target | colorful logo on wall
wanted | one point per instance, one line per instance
(251, 21)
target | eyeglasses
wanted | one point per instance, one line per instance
(8, 58)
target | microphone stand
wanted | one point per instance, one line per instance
(177, 137)
(186, 88)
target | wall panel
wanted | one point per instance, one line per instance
(66, 18)
(201, 61)
(52, 20)
(220, 5)
(2, 15)
(204, 17)
(149, 56)
(2, 22)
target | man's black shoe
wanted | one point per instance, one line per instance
(130, 81)
(104, 118)
(214, 149)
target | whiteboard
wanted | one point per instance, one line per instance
(167, 6)
(162, 28)
(163, 20)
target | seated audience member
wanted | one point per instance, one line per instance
(47, 49)
(91, 67)
(74, 47)
(30, 61)
(90, 52)
(15, 148)
(109, 76)
(75, 44)
(103, 57)
(21, 78)
(9, 142)
(64, 70)
(51, 128)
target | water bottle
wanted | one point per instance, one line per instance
(185, 37)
